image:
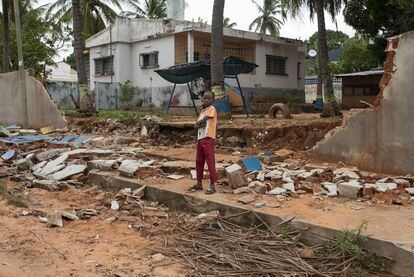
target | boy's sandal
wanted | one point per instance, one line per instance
(195, 187)
(210, 190)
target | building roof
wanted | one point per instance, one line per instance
(362, 73)
(130, 30)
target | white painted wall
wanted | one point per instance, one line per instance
(61, 72)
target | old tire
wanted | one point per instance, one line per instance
(279, 107)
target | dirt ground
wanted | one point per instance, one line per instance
(91, 247)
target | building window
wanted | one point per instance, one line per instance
(276, 65)
(299, 68)
(104, 66)
(148, 60)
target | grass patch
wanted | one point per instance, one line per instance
(10, 199)
(72, 113)
(16, 201)
(348, 245)
(3, 189)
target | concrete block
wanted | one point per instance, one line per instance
(67, 172)
(410, 191)
(53, 166)
(247, 199)
(236, 176)
(259, 187)
(241, 190)
(128, 168)
(290, 186)
(350, 189)
(283, 154)
(277, 191)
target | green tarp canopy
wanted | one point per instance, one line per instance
(185, 73)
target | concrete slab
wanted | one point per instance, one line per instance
(391, 227)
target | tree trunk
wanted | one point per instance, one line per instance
(78, 45)
(330, 107)
(217, 78)
(6, 36)
(319, 85)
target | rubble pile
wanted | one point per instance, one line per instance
(280, 175)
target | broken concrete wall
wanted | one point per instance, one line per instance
(42, 111)
(380, 139)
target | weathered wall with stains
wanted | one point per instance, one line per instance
(42, 111)
(380, 139)
(65, 94)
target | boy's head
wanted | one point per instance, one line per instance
(208, 99)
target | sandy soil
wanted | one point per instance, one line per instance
(92, 247)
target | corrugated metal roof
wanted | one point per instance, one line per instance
(362, 73)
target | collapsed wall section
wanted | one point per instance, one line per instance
(380, 139)
(42, 111)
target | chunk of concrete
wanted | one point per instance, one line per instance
(47, 130)
(290, 186)
(331, 188)
(410, 191)
(55, 219)
(259, 187)
(352, 189)
(50, 154)
(247, 199)
(101, 164)
(67, 172)
(277, 191)
(283, 154)
(39, 166)
(382, 187)
(402, 182)
(236, 176)
(8, 155)
(114, 205)
(49, 185)
(241, 190)
(54, 166)
(4, 132)
(128, 168)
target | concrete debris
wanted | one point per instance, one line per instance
(331, 188)
(402, 182)
(260, 204)
(247, 199)
(39, 166)
(53, 166)
(383, 187)
(67, 172)
(213, 215)
(49, 185)
(175, 177)
(101, 164)
(290, 186)
(410, 191)
(8, 155)
(47, 130)
(114, 205)
(56, 218)
(352, 189)
(277, 191)
(236, 176)
(129, 167)
(144, 131)
(4, 132)
(259, 187)
(241, 190)
(283, 154)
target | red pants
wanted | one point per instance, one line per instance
(205, 153)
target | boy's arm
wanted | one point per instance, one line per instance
(202, 122)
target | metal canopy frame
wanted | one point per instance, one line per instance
(192, 96)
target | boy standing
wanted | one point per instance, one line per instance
(206, 135)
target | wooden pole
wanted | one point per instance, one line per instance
(22, 74)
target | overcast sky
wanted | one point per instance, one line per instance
(243, 12)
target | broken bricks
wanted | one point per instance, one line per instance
(236, 176)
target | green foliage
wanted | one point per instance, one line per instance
(348, 244)
(267, 21)
(152, 9)
(95, 14)
(357, 56)
(379, 19)
(335, 39)
(290, 99)
(71, 113)
(127, 91)
(38, 36)
(3, 188)
(228, 24)
(17, 202)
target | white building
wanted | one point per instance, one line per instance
(61, 72)
(131, 49)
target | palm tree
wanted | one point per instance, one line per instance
(96, 14)
(6, 36)
(153, 9)
(227, 24)
(267, 22)
(217, 78)
(78, 45)
(318, 7)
